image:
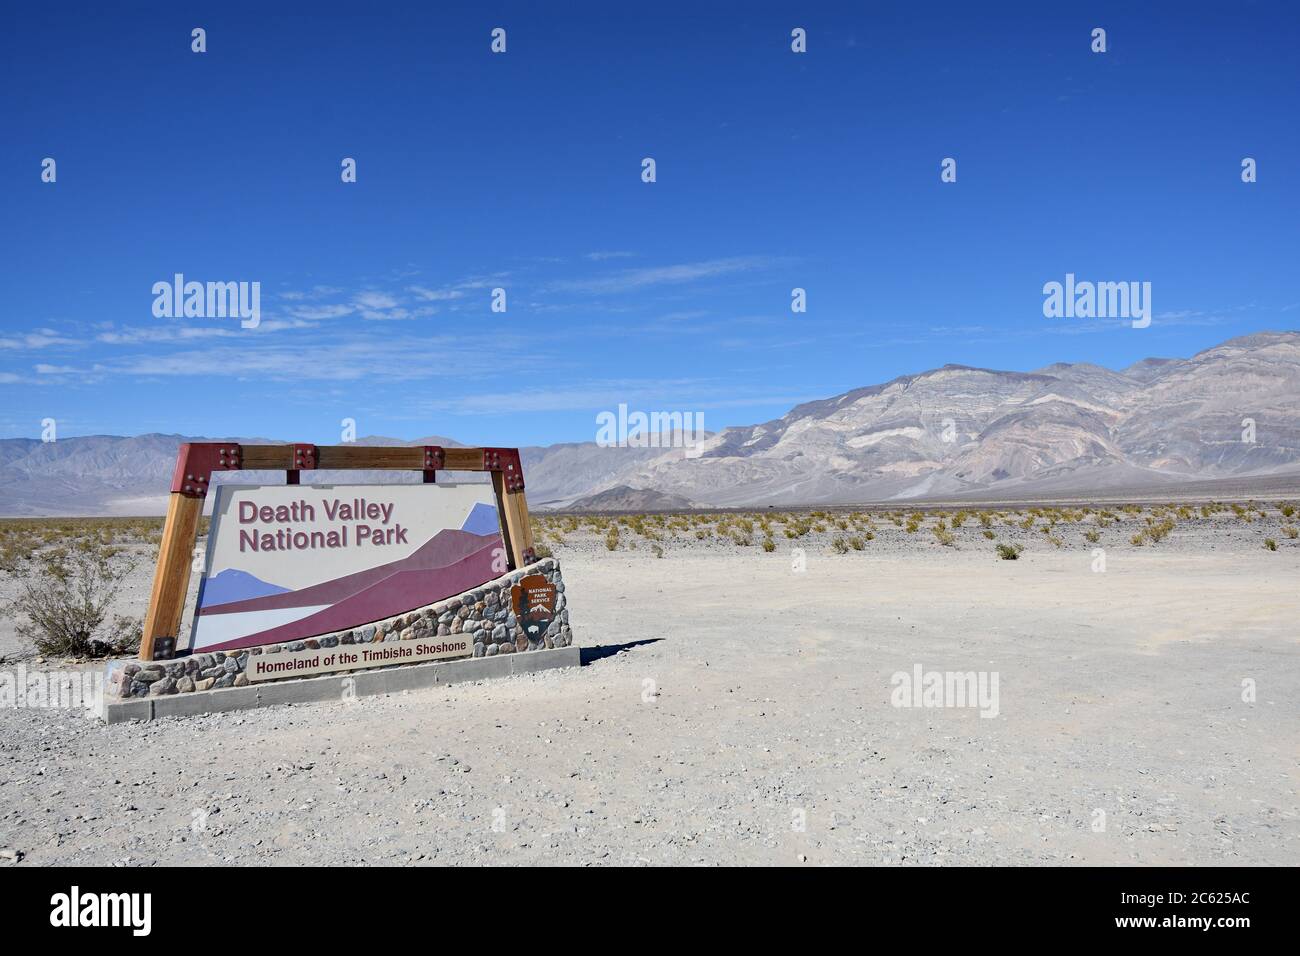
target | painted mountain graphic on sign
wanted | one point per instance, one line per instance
(235, 585)
(482, 519)
(443, 549)
(451, 562)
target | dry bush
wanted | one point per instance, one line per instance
(61, 605)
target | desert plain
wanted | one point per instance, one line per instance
(736, 705)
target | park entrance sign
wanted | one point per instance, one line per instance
(287, 563)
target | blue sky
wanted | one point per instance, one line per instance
(775, 170)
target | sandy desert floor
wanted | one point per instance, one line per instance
(734, 711)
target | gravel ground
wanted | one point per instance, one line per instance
(732, 711)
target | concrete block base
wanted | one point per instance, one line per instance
(337, 687)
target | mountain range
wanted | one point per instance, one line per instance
(1231, 412)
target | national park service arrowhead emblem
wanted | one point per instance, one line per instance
(533, 600)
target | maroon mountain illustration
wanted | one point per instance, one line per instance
(449, 563)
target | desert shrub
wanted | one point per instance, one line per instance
(541, 550)
(14, 551)
(1092, 536)
(1287, 510)
(1290, 532)
(1156, 531)
(659, 551)
(1055, 541)
(1270, 544)
(856, 543)
(1009, 552)
(840, 546)
(989, 534)
(912, 526)
(61, 606)
(944, 536)
(769, 545)
(611, 539)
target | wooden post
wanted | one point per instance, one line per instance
(171, 579)
(516, 511)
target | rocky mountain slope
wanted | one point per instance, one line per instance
(1065, 428)
(957, 430)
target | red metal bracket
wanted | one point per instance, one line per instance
(433, 460)
(196, 463)
(304, 458)
(506, 461)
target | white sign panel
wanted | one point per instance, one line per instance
(286, 562)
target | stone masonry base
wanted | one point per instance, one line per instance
(215, 680)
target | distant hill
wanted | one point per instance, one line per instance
(623, 498)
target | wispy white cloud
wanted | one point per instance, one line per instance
(435, 295)
(315, 292)
(602, 395)
(316, 313)
(374, 300)
(630, 280)
(334, 359)
(37, 339)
